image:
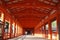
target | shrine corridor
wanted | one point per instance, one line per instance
(29, 19)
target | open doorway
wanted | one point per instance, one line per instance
(28, 31)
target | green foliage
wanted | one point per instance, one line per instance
(54, 23)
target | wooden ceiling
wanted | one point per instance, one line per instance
(30, 12)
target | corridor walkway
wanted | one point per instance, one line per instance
(28, 37)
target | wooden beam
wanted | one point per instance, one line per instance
(24, 5)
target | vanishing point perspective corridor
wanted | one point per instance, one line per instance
(29, 19)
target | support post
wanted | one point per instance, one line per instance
(3, 26)
(45, 31)
(15, 29)
(58, 24)
(10, 28)
(50, 31)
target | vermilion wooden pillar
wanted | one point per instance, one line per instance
(15, 29)
(50, 30)
(58, 23)
(10, 27)
(3, 26)
(33, 31)
(44, 31)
